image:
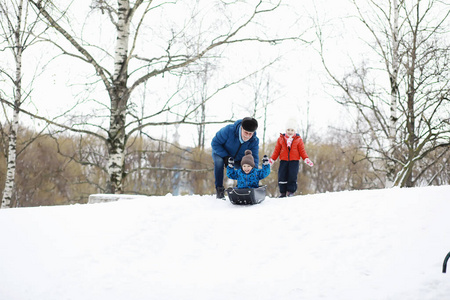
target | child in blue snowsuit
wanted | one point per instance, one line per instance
(247, 176)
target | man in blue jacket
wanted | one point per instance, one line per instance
(232, 141)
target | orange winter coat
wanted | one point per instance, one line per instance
(296, 151)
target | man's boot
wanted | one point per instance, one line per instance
(220, 192)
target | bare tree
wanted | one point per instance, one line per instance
(135, 62)
(203, 78)
(406, 121)
(265, 92)
(18, 30)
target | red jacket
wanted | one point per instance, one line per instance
(296, 151)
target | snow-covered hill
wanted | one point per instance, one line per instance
(382, 244)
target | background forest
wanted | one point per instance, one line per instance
(125, 96)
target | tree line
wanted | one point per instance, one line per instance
(64, 168)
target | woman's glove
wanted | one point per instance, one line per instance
(309, 162)
(271, 161)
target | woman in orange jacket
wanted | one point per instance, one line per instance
(290, 149)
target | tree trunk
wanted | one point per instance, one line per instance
(11, 168)
(411, 143)
(119, 97)
(411, 120)
(393, 76)
(202, 127)
(116, 148)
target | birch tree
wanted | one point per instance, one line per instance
(18, 30)
(406, 121)
(393, 68)
(137, 58)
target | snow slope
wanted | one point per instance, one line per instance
(381, 244)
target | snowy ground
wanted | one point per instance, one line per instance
(362, 245)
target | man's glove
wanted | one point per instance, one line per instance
(309, 162)
(231, 162)
(265, 160)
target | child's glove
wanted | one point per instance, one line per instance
(271, 161)
(231, 162)
(309, 162)
(265, 160)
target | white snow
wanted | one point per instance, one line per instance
(362, 245)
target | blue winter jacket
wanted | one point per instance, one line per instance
(250, 180)
(226, 143)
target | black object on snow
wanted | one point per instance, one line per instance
(444, 267)
(247, 196)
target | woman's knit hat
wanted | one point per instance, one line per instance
(248, 159)
(292, 124)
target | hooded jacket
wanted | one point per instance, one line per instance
(226, 143)
(296, 151)
(250, 180)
